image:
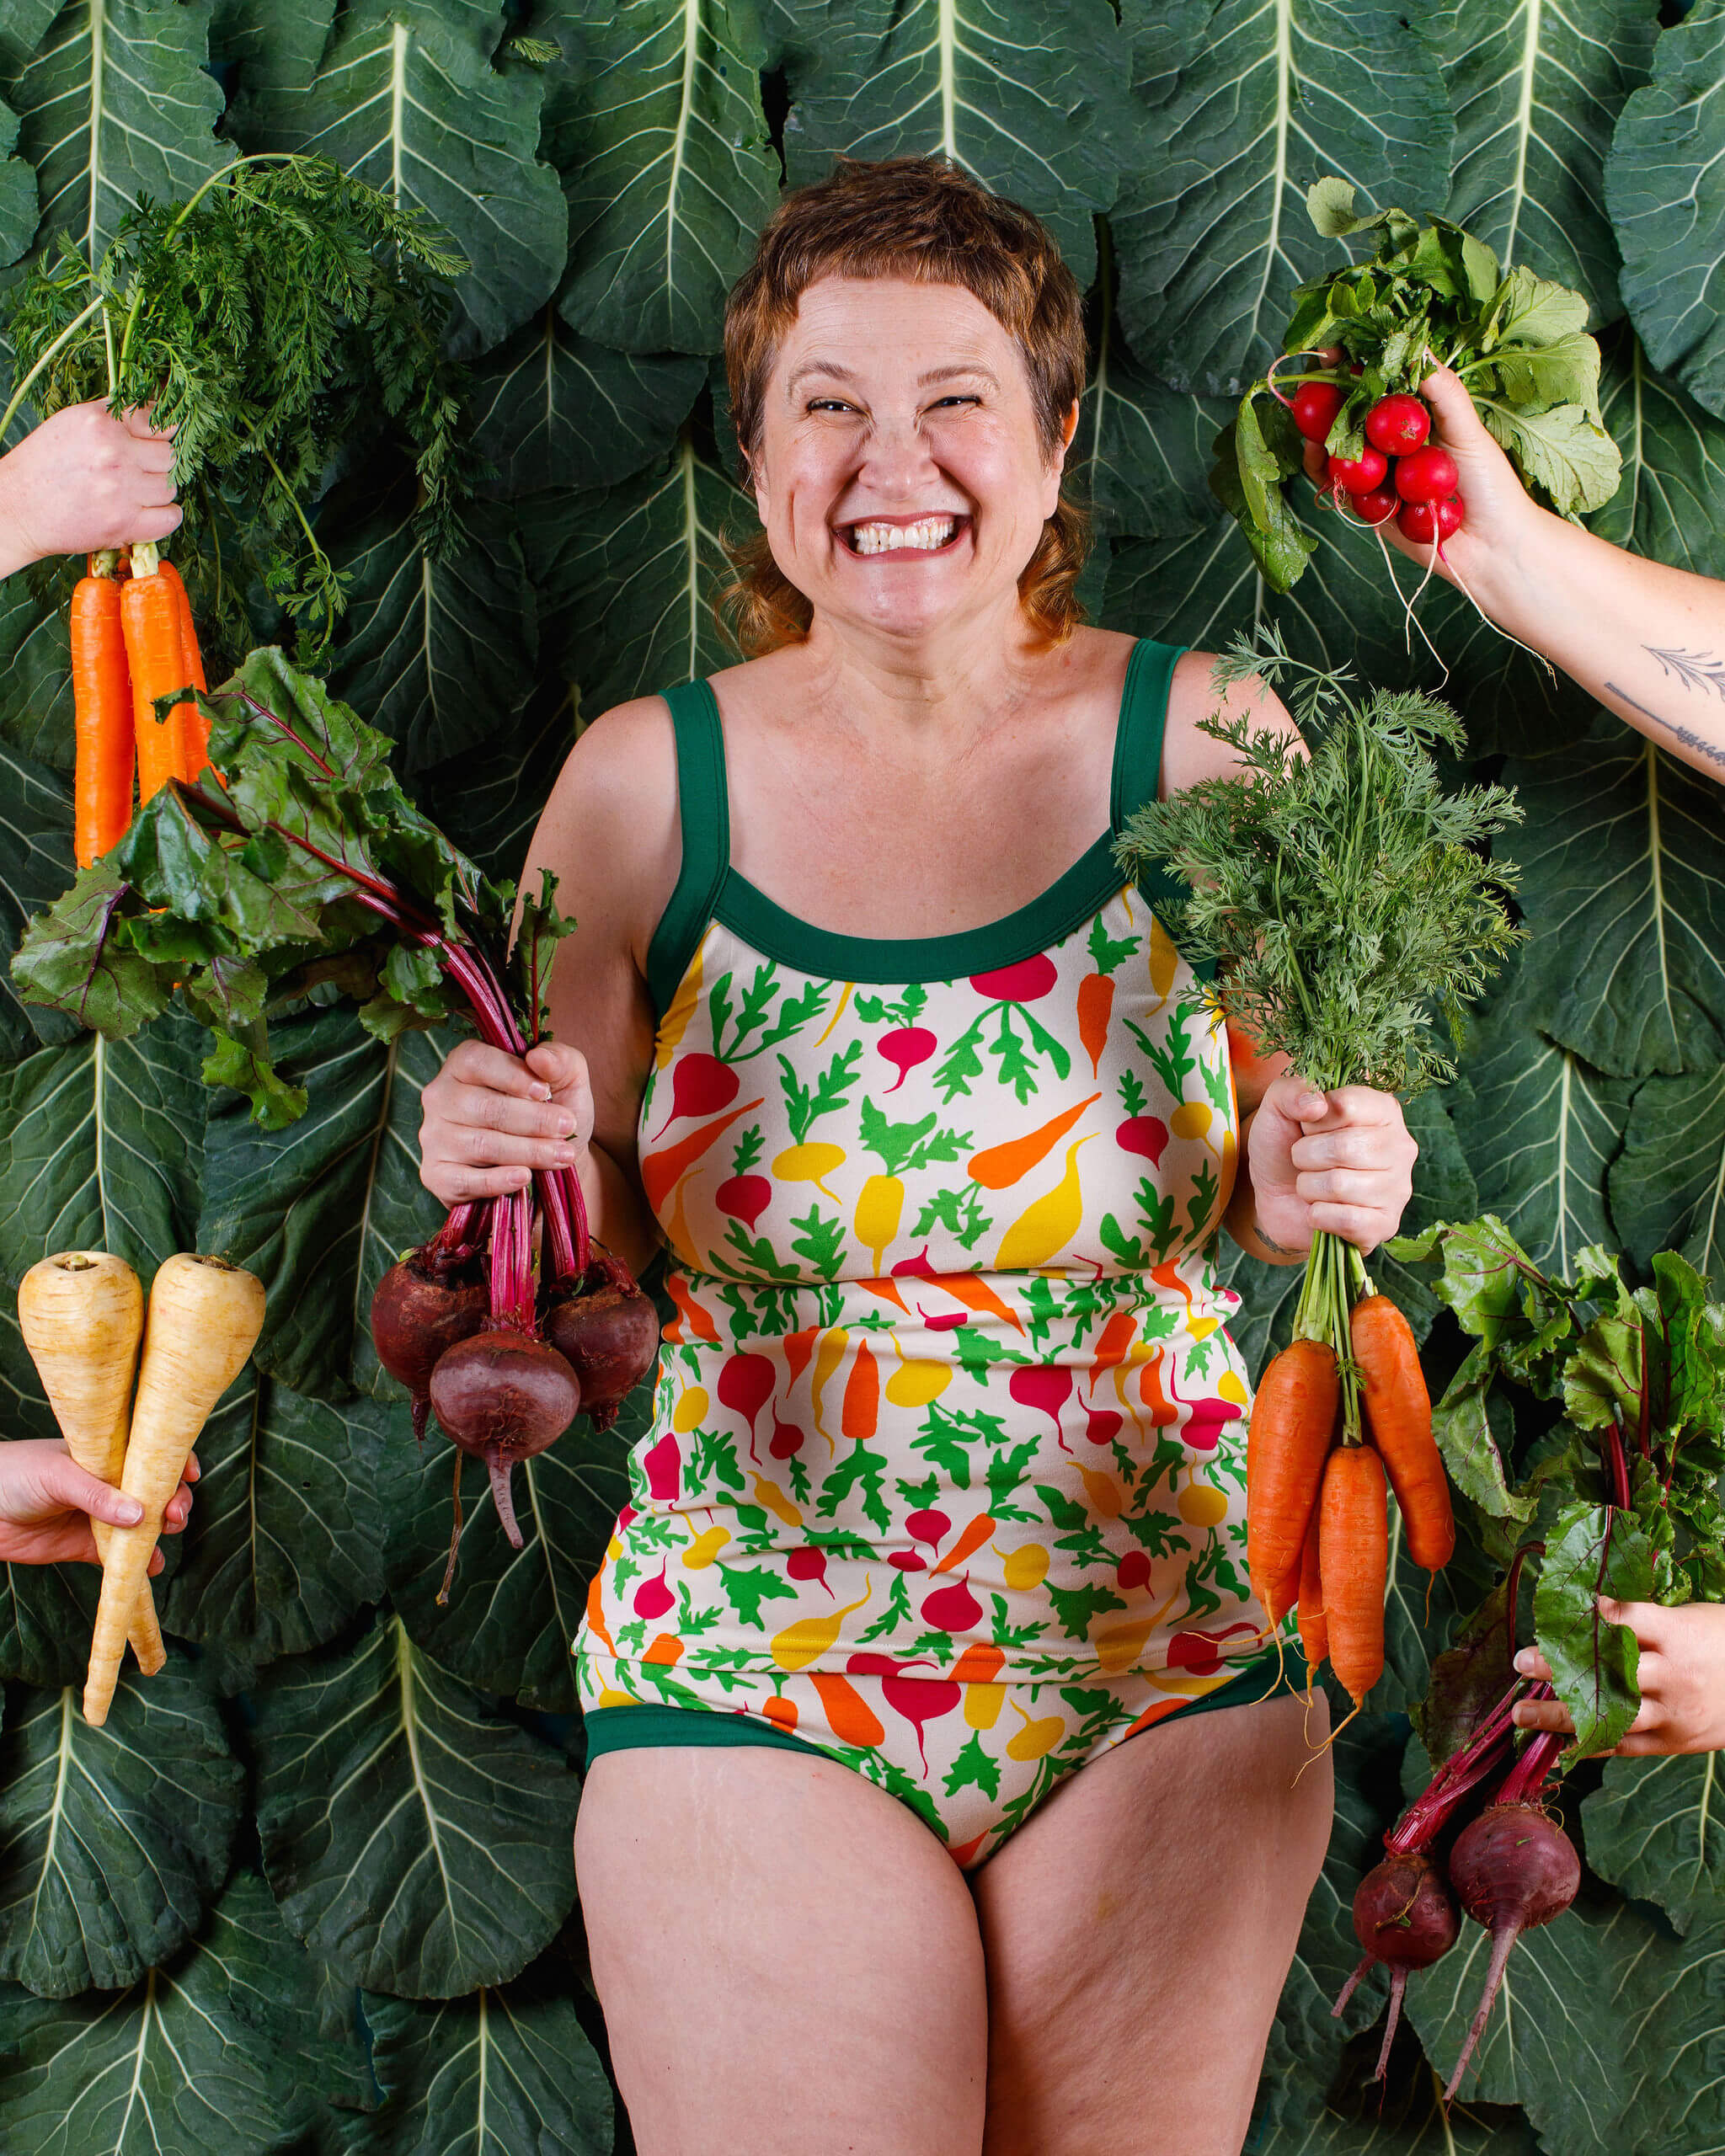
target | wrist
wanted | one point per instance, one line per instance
(17, 549)
(1517, 577)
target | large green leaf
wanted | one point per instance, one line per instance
(627, 577)
(113, 1841)
(18, 192)
(100, 1145)
(1656, 1827)
(499, 2073)
(1031, 96)
(114, 103)
(1423, 2125)
(270, 44)
(35, 674)
(1623, 885)
(285, 1540)
(512, 1614)
(438, 655)
(555, 409)
(490, 802)
(1665, 189)
(1537, 89)
(36, 866)
(1668, 1184)
(1670, 503)
(659, 136)
(420, 1844)
(1539, 1131)
(45, 1610)
(1243, 111)
(1139, 451)
(408, 97)
(1672, 2028)
(23, 26)
(294, 1205)
(216, 2053)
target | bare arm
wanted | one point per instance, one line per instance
(1647, 640)
(609, 835)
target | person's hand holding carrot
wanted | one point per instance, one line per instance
(1341, 1162)
(47, 1502)
(84, 481)
(1681, 1674)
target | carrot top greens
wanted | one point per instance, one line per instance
(1343, 894)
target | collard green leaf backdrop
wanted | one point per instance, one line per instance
(312, 1890)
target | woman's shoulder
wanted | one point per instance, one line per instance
(1190, 755)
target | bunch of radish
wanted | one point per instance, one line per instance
(1511, 1867)
(83, 1315)
(1400, 472)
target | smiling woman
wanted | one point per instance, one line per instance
(929, 1726)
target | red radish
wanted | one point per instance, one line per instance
(745, 1385)
(952, 1608)
(700, 1085)
(1103, 1424)
(503, 1396)
(746, 1197)
(1133, 1570)
(1146, 1135)
(1377, 507)
(1405, 1917)
(921, 1699)
(1513, 1868)
(1429, 475)
(420, 1309)
(664, 1464)
(1398, 425)
(1046, 1387)
(905, 1048)
(1425, 521)
(1197, 1652)
(1315, 407)
(929, 1527)
(787, 1438)
(607, 1331)
(907, 1560)
(653, 1597)
(808, 1565)
(1024, 982)
(1357, 475)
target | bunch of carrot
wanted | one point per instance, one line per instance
(1327, 1427)
(83, 1315)
(132, 642)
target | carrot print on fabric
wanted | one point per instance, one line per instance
(860, 1415)
(1000, 1166)
(661, 1172)
(1095, 1004)
(1043, 1229)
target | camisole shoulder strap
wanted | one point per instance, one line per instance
(1138, 740)
(703, 815)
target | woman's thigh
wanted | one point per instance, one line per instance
(1138, 1929)
(789, 1961)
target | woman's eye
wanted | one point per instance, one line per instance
(828, 404)
(944, 401)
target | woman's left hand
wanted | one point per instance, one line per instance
(1681, 1676)
(1341, 1162)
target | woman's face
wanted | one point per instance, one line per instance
(900, 476)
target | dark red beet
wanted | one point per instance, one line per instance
(504, 1397)
(1513, 1868)
(1403, 1917)
(608, 1333)
(417, 1314)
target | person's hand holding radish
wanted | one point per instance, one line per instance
(1341, 1162)
(1681, 1674)
(489, 1119)
(85, 481)
(47, 1502)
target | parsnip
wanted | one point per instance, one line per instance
(203, 1320)
(81, 1313)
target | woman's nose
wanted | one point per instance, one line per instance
(896, 456)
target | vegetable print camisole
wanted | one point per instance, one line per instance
(946, 1472)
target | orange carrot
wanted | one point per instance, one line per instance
(1095, 1004)
(1353, 1559)
(193, 728)
(102, 706)
(1314, 1621)
(1150, 1391)
(980, 1663)
(1287, 1440)
(971, 1539)
(1398, 1409)
(861, 1411)
(661, 1171)
(974, 1292)
(1113, 1342)
(149, 615)
(1000, 1166)
(849, 1715)
(782, 1713)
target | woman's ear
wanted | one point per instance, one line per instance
(1069, 427)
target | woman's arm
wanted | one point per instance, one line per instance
(85, 480)
(1647, 640)
(1681, 1674)
(609, 835)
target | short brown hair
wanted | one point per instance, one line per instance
(922, 219)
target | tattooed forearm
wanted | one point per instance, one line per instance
(1702, 748)
(1695, 669)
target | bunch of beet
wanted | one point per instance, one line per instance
(506, 1369)
(1400, 472)
(1511, 1868)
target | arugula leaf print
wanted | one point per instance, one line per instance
(1009, 990)
(961, 1213)
(746, 1590)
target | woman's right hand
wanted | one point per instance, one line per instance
(488, 1119)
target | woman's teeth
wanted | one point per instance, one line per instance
(925, 535)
